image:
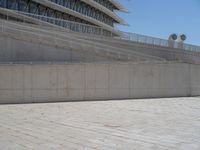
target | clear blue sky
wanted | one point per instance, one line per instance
(159, 18)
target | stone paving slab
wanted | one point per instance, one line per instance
(150, 124)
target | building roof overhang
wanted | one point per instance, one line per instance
(105, 10)
(118, 5)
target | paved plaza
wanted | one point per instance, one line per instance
(149, 124)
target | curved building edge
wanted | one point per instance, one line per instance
(105, 10)
(118, 5)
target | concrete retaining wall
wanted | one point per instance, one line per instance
(68, 82)
(26, 50)
(195, 80)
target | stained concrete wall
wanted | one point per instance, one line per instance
(18, 50)
(195, 80)
(68, 82)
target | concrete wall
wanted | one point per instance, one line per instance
(67, 82)
(170, 54)
(195, 80)
(18, 50)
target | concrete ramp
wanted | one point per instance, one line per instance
(82, 50)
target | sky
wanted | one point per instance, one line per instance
(160, 18)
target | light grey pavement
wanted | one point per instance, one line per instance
(150, 124)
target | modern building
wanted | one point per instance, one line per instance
(99, 13)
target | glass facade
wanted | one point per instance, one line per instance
(30, 6)
(37, 9)
(85, 9)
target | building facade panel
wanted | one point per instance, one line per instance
(81, 11)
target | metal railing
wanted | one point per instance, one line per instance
(157, 41)
(94, 30)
